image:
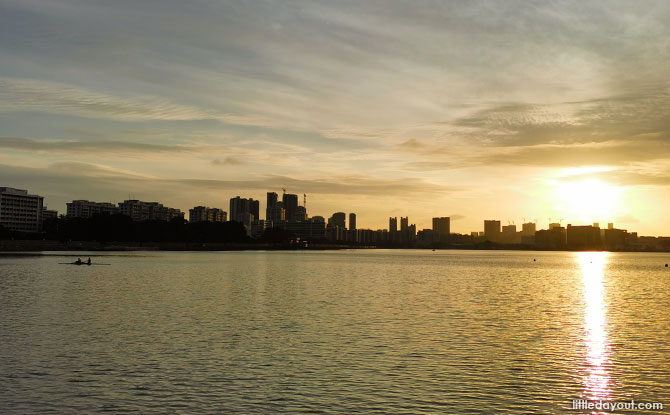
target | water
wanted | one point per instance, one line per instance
(451, 332)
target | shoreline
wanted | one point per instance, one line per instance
(24, 246)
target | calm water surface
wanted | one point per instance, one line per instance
(452, 332)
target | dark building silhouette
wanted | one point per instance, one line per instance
(290, 203)
(206, 214)
(300, 214)
(441, 229)
(254, 208)
(528, 229)
(139, 211)
(352, 221)
(240, 206)
(48, 213)
(492, 230)
(86, 208)
(509, 235)
(338, 219)
(244, 211)
(584, 237)
(272, 199)
(615, 239)
(554, 238)
(393, 224)
(275, 213)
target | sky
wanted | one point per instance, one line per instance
(511, 110)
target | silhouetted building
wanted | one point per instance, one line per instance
(240, 207)
(206, 214)
(554, 238)
(138, 211)
(508, 235)
(584, 237)
(20, 211)
(276, 213)
(308, 230)
(492, 230)
(404, 223)
(258, 228)
(49, 213)
(338, 219)
(352, 221)
(86, 209)
(300, 214)
(615, 239)
(528, 229)
(393, 224)
(254, 208)
(427, 237)
(442, 228)
(290, 203)
(272, 199)
(554, 225)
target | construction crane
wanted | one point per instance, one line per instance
(284, 190)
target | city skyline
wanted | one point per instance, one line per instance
(441, 109)
(288, 210)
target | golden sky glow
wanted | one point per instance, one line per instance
(475, 110)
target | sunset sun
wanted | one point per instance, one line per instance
(588, 200)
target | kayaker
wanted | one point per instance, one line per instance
(78, 261)
(89, 261)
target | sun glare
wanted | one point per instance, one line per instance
(588, 200)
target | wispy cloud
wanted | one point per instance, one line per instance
(89, 147)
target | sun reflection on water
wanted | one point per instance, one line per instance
(597, 379)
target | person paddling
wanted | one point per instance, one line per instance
(78, 261)
(89, 261)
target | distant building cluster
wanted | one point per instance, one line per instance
(590, 237)
(25, 212)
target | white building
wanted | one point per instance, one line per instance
(20, 211)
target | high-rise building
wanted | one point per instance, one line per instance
(492, 230)
(442, 227)
(300, 214)
(272, 199)
(584, 237)
(528, 229)
(20, 211)
(509, 235)
(140, 211)
(240, 206)
(404, 223)
(393, 224)
(352, 221)
(87, 209)
(290, 202)
(254, 208)
(206, 214)
(338, 219)
(275, 214)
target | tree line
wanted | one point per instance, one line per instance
(121, 228)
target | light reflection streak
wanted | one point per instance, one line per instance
(597, 379)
